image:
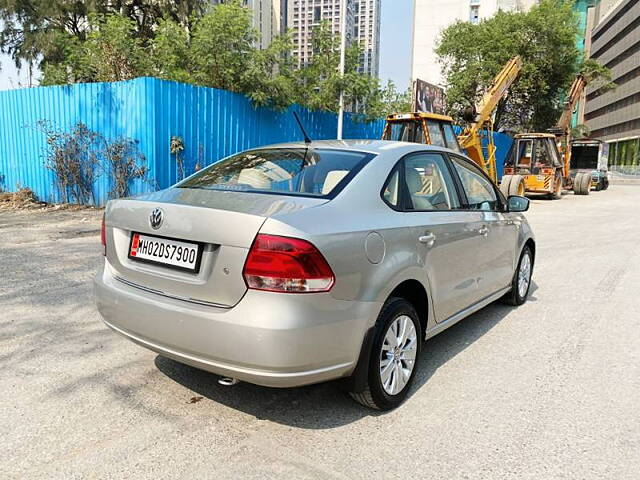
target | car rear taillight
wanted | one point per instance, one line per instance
(283, 264)
(547, 171)
(103, 237)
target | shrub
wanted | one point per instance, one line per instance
(124, 163)
(80, 156)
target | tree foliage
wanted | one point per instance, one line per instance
(545, 38)
(188, 41)
(32, 28)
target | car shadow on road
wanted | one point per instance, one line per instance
(325, 406)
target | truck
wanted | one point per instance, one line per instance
(542, 162)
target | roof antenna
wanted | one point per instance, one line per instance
(307, 140)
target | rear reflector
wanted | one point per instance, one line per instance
(283, 264)
(103, 237)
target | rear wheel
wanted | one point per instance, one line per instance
(578, 183)
(516, 185)
(605, 182)
(586, 183)
(394, 353)
(521, 279)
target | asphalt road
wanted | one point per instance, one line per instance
(548, 390)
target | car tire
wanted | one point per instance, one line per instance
(578, 183)
(504, 185)
(378, 395)
(517, 186)
(517, 296)
(605, 182)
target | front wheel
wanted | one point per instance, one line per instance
(517, 186)
(521, 279)
(394, 354)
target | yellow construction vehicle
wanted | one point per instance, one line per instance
(419, 127)
(434, 129)
(481, 126)
(542, 161)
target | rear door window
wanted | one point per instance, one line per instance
(313, 172)
(429, 183)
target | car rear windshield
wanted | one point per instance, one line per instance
(306, 172)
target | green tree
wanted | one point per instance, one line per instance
(110, 53)
(169, 52)
(544, 37)
(220, 52)
(389, 100)
(318, 83)
(32, 28)
(182, 41)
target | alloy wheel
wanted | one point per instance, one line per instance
(398, 354)
(524, 274)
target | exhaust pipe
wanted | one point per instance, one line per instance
(228, 381)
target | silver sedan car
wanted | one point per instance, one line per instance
(300, 263)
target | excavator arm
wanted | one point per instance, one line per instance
(562, 130)
(471, 137)
(575, 92)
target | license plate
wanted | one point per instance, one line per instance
(165, 251)
(541, 178)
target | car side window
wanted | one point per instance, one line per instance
(428, 183)
(391, 191)
(481, 195)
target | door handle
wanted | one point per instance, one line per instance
(427, 238)
(483, 230)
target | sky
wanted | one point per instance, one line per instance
(396, 23)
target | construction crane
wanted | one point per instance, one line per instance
(435, 129)
(481, 127)
(542, 162)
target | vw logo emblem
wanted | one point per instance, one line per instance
(155, 219)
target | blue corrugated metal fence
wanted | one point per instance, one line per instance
(212, 123)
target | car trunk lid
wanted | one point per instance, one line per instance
(223, 223)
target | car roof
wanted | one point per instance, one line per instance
(369, 146)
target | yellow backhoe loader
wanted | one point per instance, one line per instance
(542, 161)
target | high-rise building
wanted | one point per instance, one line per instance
(266, 18)
(431, 17)
(614, 116)
(363, 25)
(589, 13)
(304, 15)
(367, 33)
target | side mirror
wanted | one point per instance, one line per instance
(516, 203)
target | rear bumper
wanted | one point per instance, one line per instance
(270, 339)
